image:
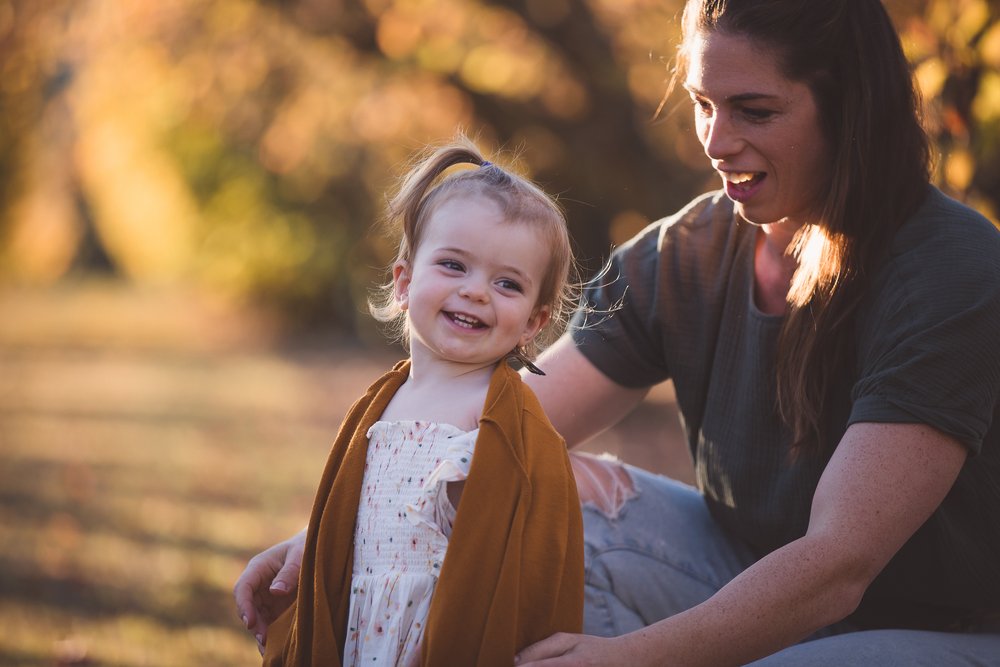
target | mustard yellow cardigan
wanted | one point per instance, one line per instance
(513, 572)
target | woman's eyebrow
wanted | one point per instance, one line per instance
(739, 97)
(752, 97)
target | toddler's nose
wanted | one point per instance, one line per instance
(474, 291)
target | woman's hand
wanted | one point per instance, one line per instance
(567, 650)
(267, 586)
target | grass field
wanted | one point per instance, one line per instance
(150, 443)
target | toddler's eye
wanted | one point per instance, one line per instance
(508, 284)
(451, 264)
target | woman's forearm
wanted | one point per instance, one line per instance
(881, 484)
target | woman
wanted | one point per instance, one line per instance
(829, 322)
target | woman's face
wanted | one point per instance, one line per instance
(761, 130)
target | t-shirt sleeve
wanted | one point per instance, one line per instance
(928, 348)
(617, 328)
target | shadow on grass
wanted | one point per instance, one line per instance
(31, 508)
(195, 602)
(22, 659)
(212, 418)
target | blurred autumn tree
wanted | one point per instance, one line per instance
(244, 147)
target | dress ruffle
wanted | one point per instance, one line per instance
(434, 508)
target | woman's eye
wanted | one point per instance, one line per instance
(703, 107)
(757, 114)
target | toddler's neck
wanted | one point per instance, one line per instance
(451, 396)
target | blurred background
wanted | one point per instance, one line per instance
(186, 243)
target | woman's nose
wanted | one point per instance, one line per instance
(719, 138)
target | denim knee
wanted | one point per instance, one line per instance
(659, 554)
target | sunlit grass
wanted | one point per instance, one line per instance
(139, 472)
(127, 540)
(42, 635)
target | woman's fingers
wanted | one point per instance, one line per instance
(255, 590)
(567, 650)
(287, 578)
(245, 591)
(540, 653)
(266, 587)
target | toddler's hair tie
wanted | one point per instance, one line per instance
(485, 164)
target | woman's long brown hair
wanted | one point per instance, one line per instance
(849, 54)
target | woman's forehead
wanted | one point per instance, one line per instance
(725, 65)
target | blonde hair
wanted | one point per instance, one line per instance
(426, 186)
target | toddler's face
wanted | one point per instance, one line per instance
(471, 288)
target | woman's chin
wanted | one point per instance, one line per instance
(749, 215)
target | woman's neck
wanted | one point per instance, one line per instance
(774, 267)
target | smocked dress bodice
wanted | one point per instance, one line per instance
(401, 536)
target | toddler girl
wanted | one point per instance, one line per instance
(446, 529)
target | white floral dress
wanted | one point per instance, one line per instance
(404, 522)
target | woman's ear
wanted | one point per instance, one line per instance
(401, 283)
(535, 323)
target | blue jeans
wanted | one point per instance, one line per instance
(663, 554)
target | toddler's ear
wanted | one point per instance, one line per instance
(536, 323)
(401, 283)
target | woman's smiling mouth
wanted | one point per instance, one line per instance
(742, 185)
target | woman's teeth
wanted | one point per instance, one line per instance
(740, 177)
(741, 186)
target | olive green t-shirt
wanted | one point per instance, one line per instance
(677, 302)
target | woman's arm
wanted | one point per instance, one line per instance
(883, 482)
(579, 400)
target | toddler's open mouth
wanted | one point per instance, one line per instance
(466, 321)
